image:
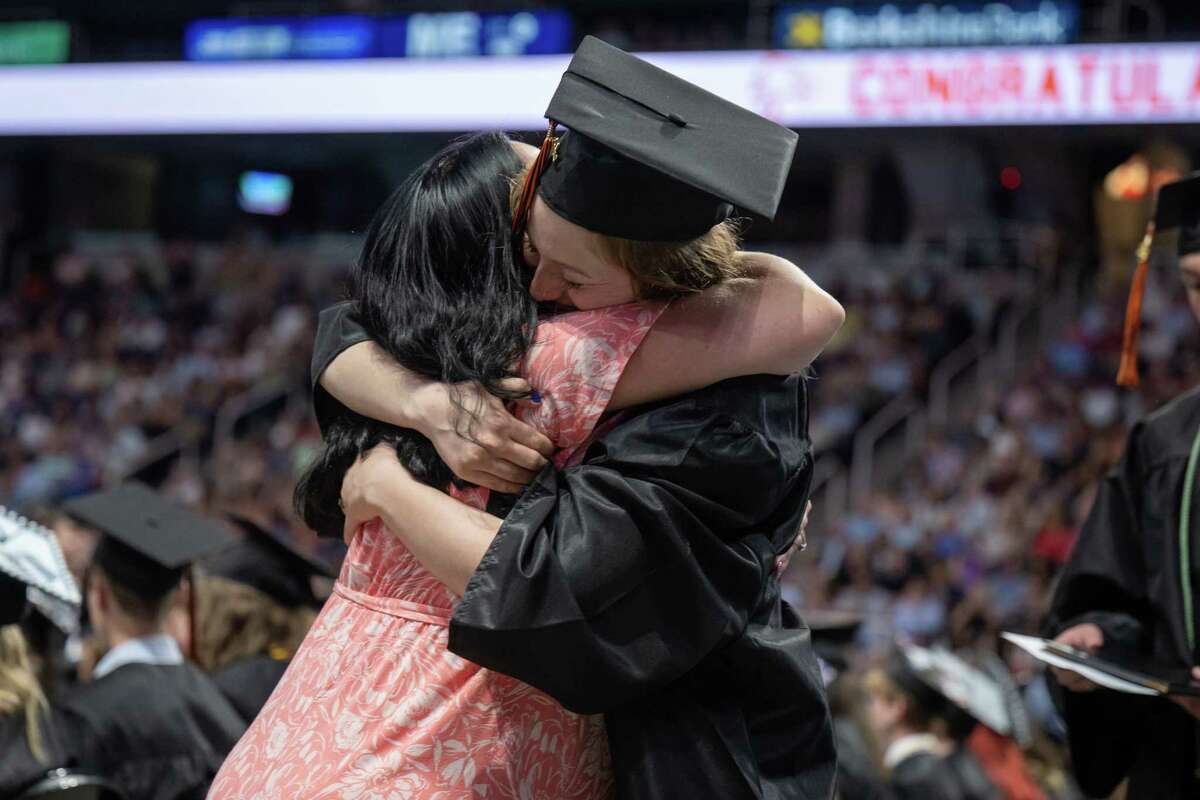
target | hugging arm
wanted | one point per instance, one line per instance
(775, 320)
(489, 446)
(1104, 584)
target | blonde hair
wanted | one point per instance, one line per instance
(236, 621)
(667, 269)
(877, 682)
(20, 692)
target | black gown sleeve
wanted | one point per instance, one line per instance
(1105, 583)
(926, 776)
(613, 578)
(337, 329)
(19, 766)
(1107, 570)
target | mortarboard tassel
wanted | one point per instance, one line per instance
(1127, 375)
(529, 189)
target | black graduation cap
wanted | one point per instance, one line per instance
(833, 632)
(12, 600)
(650, 156)
(148, 541)
(265, 562)
(1178, 206)
(948, 687)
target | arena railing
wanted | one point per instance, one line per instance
(987, 367)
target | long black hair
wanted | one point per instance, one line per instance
(440, 288)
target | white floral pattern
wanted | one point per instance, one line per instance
(374, 707)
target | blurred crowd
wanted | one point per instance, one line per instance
(899, 326)
(967, 542)
(118, 361)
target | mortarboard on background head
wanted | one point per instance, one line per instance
(33, 571)
(265, 562)
(833, 632)
(650, 156)
(950, 688)
(148, 541)
(1177, 206)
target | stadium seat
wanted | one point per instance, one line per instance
(66, 784)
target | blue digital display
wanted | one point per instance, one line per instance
(1007, 22)
(250, 39)
(434, 35)
(264, 193)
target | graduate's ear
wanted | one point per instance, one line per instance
(99, 597)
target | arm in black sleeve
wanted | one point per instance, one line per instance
(337, 329)
(1105, 583)
(615, 577)
(1107, 570)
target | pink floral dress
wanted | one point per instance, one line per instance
(374, 707)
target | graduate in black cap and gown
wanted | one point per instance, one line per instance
(921, 705)
(669, 528)
(833, 634)
(1129, 589)
(149, 721)
(282, 578)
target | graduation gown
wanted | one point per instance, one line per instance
(19, 769)
(157, 732)
(858, 777)
(928, 776)
(640, 584)
(1125, 575)
(248, 683)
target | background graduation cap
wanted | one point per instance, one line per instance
(949, 688)
(147, 542)
(833, 632)
(267, 563)
(33, 571)
(650, 156)
(1178, 206)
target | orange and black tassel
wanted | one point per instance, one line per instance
(1127, 375)
(529, 189)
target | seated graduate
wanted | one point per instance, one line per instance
(858, 774)
(29, 744)
(921, 729)
(150, 722)
(255, 603)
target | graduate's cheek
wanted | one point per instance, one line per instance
(548, 283)
(600, 296)
(608, 285)
(877, 712)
